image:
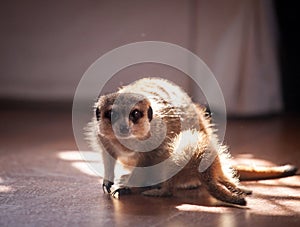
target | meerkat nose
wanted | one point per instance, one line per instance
(124, 129)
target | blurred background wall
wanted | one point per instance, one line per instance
(46, 46)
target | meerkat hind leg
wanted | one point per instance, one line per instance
(235, 189)
(220, 187)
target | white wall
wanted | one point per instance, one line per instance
(46, 46)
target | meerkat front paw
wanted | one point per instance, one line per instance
(106, 186)
(120, 191)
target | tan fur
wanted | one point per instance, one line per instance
(189, 140)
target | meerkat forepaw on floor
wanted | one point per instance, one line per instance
(153, 120)
(106, 186)
(117, 193)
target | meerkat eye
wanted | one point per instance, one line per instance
(111, 115)
(107, 114)
(135, 115)
(150, 113)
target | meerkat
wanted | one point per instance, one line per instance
(153, 120)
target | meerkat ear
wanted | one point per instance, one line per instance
(150, 113)
(97, 113)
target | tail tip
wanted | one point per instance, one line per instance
(290, 170)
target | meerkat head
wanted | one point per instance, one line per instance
(124, 116)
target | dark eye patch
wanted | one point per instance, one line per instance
(97, 114)
(135, 115)
(111, 115)
(150, 113)
(107, 114)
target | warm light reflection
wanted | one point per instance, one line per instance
(70, 155)
(89, 162)
(84, 168)
(249, 160)
(4, 188)
(278, 190)
(270, 197)
(197, 208)
(227, 220)
(80, 155)
(275, 197)
(287, 181)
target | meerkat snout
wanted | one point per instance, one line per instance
(124, 129)
(125, 116)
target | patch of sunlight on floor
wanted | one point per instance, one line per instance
(275, 197)
(85, 168)
(197, 208)
(227, 220)
(80, 155)
(89, 162)
(270, 197)
(287, 181)
(277, 190)
(250, 160)
(5, 189)
(273, 207)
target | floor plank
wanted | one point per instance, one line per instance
(45, 182)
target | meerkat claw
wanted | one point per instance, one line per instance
(106, 186)
(120, 191)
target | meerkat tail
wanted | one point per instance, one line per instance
(249, 173)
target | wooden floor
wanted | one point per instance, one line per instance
(45, 182)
